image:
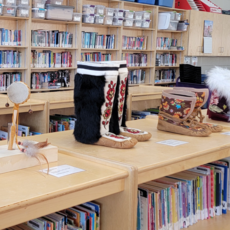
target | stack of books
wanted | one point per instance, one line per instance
(6, 79)
(94, 40)
(182, 199)
(60, 123)
(164, 43)
(134, 43)
(81, 217)
(51, 79)
(96, 56)
(164, 76)
(10, 37)
(166, 59)
(51, 38)
(136, 76)
(23, 131)
(10, 59)
(49, 59)
(136, 59)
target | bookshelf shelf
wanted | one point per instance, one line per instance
(55, 21)
(12, 69)
(166, 67)
(13, 18)
(100, 26)
(169, 51)
(170, 31)
(61, 68)
(137, 51)
(140, 67)
(51, 48)
(15, 47)
(90, 49)
(44, 90)
(136, 28)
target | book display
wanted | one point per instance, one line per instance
(79, 148)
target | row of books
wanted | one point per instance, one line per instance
(182, 199)
(136, 59)
(134, 43)
(136, 76)
(51, 79)
(60, 123)
(96, 56)
(6, 79)
(165, 43)
(49, 59)
(23, 131)
(10, 59)
(10, 37)
(94, 40)
(81, 217)
(166, 59)
(51, 38)
(166, 75)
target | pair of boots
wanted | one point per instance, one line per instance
(100, 97)
(180, 112)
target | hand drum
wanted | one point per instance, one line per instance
(18, 93)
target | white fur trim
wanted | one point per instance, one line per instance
(219, 80)
(107, 135)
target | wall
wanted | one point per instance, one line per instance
(224, 4)
(208, 63)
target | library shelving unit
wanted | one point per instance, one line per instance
(151, 160)
(29, 194)
(182, 38)
(37, 121)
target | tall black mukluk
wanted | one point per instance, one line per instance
(94, 92)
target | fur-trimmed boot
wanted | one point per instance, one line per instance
(175, 114)
(201, 98)
(95, 87)
(118, 120)
(219, 83)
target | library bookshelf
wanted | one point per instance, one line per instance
(29, 24)
(150, 160)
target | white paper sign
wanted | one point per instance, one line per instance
(227, 133)
(207, 45)
(62, 170)
(172, 142)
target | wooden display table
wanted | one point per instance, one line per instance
(27, 194)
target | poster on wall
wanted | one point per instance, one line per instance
(208, 29)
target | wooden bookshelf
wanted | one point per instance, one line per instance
(152, 160)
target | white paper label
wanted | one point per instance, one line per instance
(202, 214)
(9, 11)
(138, 17)
(224, 205)
(100, 20)
(24, 2)
(206, 213)
(170, 226)
(62, 170)
(120, 14)
(58, 3)
(128, 23)
(77, 18)
(130, 15)
(138, 24)
(146, 24)
(24, 12)
(10, 1)
(41, 15)
(40, 5)
(227, 133)
(211, 212)
(100, 11)
(110, 13)
(172, 142)
(109, 21)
